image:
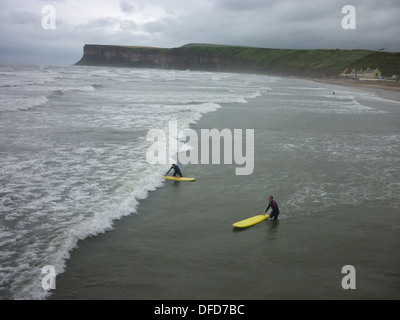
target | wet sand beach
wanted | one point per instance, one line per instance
(370, 85)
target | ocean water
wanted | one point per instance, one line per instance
(73, 153)
(73, 160)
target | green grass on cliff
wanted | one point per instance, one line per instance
(301, 62)
(211, 57)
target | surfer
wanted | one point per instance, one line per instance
(274, 206)
(177, 171)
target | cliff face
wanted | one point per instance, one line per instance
(140, 57)
(241, 59)
(98, 55)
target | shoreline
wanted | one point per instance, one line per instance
(390, 91)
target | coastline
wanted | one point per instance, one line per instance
(240, 59)
(385, 90)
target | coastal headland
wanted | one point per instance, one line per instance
(205, 57)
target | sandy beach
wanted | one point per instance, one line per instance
(386, 90)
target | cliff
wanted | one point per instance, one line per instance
(203, 57)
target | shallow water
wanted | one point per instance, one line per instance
(335, 179)
(73, 162)
(73, 154)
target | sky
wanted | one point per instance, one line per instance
(31, 33)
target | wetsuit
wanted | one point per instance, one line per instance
(275, 210)
(177, 171)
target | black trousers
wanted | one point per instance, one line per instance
(274, 215)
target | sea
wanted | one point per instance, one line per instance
(73, 152)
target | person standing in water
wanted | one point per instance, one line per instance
(274, 206)
(177, 171)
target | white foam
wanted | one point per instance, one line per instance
(89, 88)
(71, 173)
(377, 98)
(23, 103)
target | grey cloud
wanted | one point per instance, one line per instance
(289, 24)
(23, 17)
(298, 24)
(155, 26)
(126, 7)
(104, 24)
(127, 25)
(241, 6)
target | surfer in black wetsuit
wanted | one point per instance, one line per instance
(274, 206)
(177, 171)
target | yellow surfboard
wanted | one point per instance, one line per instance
(179, 178)
(250, 221)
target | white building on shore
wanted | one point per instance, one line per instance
(360, 74)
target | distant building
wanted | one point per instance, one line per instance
(396, 77)
(360, 74)
(355, 74)
(371, 74)
(346, 73)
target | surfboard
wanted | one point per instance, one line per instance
(250, 221)
(179, 178)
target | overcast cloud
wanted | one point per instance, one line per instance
(298, 24)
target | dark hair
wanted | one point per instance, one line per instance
(272, 197)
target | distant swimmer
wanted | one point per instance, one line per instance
(274, 206)
(177, 171)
